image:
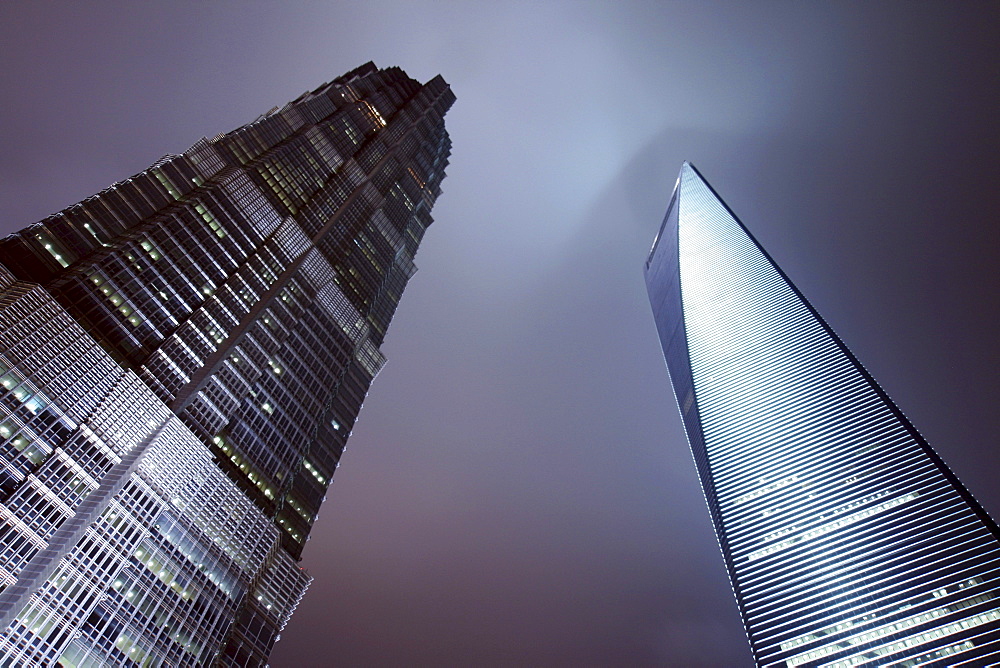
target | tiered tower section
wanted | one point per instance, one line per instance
(183, 357)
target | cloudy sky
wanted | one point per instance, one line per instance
(518, 490)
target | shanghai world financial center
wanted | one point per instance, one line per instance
(182, 359)
(847, 540)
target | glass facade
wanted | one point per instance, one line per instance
(847, 540)
(183, 357)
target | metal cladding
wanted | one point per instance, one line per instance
(182, 359)
(847, 540)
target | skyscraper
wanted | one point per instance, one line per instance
(847, 540)
(182, 359)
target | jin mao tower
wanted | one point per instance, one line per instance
(847, 540)
(182, 358)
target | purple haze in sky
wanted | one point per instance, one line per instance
(518, 490)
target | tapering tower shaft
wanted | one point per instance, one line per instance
(847, 540)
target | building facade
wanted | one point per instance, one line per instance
(182, 359)
(847, 540)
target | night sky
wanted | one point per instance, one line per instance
(518, 490)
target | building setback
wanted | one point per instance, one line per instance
(182, 359)
(847, 540)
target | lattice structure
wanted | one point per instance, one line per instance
(183, 357)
